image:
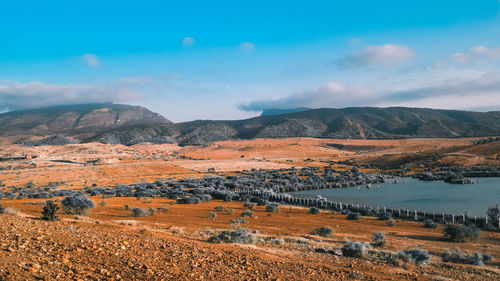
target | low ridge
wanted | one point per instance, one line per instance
(125, 124)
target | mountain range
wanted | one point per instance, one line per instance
(126, 124)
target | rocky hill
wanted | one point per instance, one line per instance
(359, 122)
(74, 119)
(112, 123)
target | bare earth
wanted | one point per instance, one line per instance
(109, 244)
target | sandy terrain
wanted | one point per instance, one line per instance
(171, 245)
(110, 244)
(84, 164)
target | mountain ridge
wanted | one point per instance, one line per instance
(125, 124)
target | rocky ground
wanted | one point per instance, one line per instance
(172, 245)
(111, 245)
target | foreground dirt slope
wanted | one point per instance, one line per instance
(172, 245)
(34, 250)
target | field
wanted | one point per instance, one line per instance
(110, 244)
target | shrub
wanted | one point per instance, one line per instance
(212, 215)
(428, 223)
(139, 212)
(103, 203)
(11, 211)
(313, 210)
(391, 222)
(127, 207)
(189, 200)
(49, 211)
(151, 211)
(163, 209)
(273, 207)
(220, 208)
(354, 216)
(461, 233)
(379, 239)
(417, 256)
(458, 257)
(1, 208)
(355, 249)
(250, 205)
(239, 220)
(384, 216)
(487, 258)
(493, 214)
(240, 236)
(325, 231)
(247, 213)
(78, 204)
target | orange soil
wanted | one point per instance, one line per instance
(157, 248)
(187, 225)
(115, 164)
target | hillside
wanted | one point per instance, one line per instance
(112, 123)
(360, 122)
(74, 119)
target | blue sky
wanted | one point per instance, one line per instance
(231, 59)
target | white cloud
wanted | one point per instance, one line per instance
(188, 41)
(247, 46)
(329, 95)
(16, 95)
(387, 55)
(478, 54)
(460, 93)
(91, 60)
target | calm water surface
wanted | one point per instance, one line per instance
(410, 193)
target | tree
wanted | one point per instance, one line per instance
(49, 211)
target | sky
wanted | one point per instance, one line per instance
(191, 60)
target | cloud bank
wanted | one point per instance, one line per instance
(331, 95)
(478, 54)
(480, 92)
(387, 56)
(15, 95)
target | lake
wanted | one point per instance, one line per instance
(413, 194)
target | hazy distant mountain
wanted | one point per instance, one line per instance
(74, 119)
(360, 122)
(110, 123)
(276, 111)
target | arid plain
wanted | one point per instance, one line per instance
(109, 244)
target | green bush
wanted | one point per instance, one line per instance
(313, 210)
(273, 207)
(355, 249)
(417, 256)
(458, 257)
(428, 223)
(240, 236)
(354, 216)
(78, 204)
(49, 211)
(461, 233)
(139, 212)
(325, 231)
(247, 213)
(379, 239)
